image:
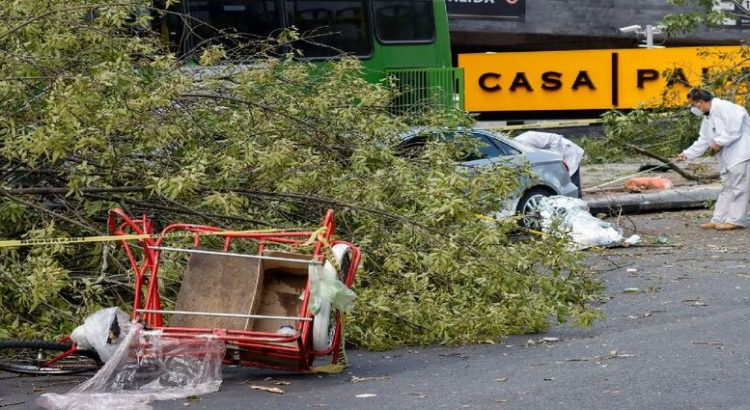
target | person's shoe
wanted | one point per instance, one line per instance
(708, 225)
(727, 227)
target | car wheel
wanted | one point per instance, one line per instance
(528, 207)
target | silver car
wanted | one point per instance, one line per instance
(550, 173)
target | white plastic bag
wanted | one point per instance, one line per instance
(102, 331)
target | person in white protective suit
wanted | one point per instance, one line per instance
(725, 131)
(572, 153)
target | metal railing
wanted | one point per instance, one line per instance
(420, 88)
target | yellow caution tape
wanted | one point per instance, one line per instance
(15, 243)
(533, 231)
(485, 218)
(493, 220)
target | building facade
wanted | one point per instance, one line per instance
(536, 25)
(590, 55)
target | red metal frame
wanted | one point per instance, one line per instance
(268, 350)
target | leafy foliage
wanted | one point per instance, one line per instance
(94, 105)
(662, 131)
(702, 12)
(661, 128)
(665, 130)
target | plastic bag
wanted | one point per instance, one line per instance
(147, 366)
(102, 331)
(573, 216)
(325, 288)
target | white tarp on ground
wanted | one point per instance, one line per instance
(147, 366)
(573, 217)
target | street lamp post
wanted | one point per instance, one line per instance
(649, 36)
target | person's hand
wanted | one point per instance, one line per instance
(681, 157)
(714, 148)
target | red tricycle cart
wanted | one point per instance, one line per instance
(266, 294)
(258, 303)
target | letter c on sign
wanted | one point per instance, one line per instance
(511, 1)
(483, 82)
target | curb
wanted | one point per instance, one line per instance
(669, 200)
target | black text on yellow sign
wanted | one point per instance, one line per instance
(587, 79)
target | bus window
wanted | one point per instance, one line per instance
(338, 26)
(228, 22)
(404, 21)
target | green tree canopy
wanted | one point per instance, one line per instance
(97, 114)
(666, 130)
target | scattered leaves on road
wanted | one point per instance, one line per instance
(718, 345)
(358, 379)
(274, 390)
(631, 290)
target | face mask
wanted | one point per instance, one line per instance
(696, 111)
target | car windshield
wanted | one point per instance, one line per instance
(467, 145)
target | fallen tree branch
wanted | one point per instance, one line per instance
(64, 191)
(307, 123)
(307, 197)
(296, 197)
(181, 210)
(685, 174)
(53, 213)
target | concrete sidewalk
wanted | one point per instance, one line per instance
(604, 189)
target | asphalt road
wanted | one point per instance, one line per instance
(675, 337)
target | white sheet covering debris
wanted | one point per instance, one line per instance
(147, 366)
(102, 331)
(573, 217)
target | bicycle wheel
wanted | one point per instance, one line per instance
(43, 357)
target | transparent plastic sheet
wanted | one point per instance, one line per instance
(326, 289)
(102, 331)
(572, 216)
(147, 366)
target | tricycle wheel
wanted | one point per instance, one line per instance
(42, 357)
(325, 323)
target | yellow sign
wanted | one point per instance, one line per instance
(587, 79)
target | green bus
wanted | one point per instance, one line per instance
(406, 40)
